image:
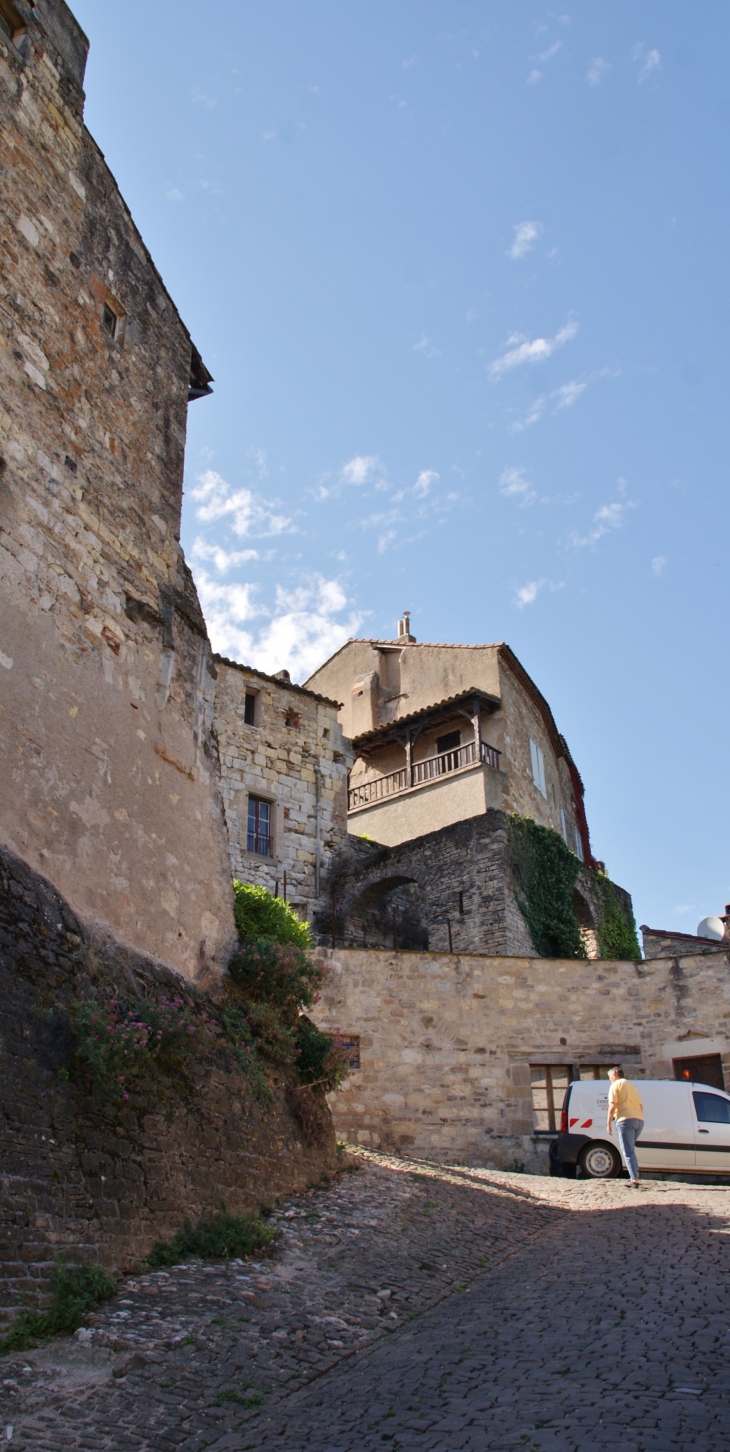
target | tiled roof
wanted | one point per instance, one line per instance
(437, 708)
(275, 680)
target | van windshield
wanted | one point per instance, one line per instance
(711, 1108)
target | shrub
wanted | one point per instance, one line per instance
(75, 1291)
(277, 974)
(240, 1034)
(261, 915)
(115, 1042)
(321, 1059)
(544, 873)
(219, 1237)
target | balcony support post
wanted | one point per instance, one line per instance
(476, 721)
(409, 757)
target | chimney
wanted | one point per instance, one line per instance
(404, 629)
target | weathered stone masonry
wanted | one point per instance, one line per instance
(106, 679)
(93, 1182)
(447, 1042)
(292, 755)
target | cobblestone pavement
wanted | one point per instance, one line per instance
(411, 1306)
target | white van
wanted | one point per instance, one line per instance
(686, 1127)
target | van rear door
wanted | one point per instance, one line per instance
(712, 1128)
(668, 1138)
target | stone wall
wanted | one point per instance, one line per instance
(292, 756)
(110, 782)
(454, 886)
(90, 1181)
(660, 944)
(447, 1041)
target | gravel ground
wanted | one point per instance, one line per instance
(417, 1306)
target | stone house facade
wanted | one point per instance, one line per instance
(466, 1057)
(442, 733)
(284, 764)
(110, 787)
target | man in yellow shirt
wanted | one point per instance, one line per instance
(625, 1106)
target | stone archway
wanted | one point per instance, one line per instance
(390, 911)
(586, 923)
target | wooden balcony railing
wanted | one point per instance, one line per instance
(421, 772)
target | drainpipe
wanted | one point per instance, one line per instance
(317, 797)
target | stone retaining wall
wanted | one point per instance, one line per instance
(105, 1183)
(447, 1041)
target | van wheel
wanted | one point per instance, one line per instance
(600, 1162)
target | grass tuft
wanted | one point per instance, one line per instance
(220, 1237)
(76, 1290)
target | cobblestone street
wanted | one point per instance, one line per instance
(412, 1306)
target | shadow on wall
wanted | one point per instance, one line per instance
(389, 914)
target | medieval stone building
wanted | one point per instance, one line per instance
(106, 678)
(284, 764)
(450, 741)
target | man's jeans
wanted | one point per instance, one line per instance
(628, 1131)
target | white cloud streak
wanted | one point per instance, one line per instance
(521, 350)
(597, 70)
(303, 628)
(248, 514)
(514, 484)
(658, 565)
(608, 518)
(528, 593)
(223, 560)
(526, 234)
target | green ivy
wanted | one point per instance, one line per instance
(544, 873)
(616, 927)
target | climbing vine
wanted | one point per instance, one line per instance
(544, 873)
(616, 926)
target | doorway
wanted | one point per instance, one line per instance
(705, 1069)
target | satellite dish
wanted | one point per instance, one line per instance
(713, 928)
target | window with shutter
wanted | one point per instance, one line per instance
(563, 826)
(538, 767)
(578, 844)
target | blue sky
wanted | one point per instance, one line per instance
(459, 270)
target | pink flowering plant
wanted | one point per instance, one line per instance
(117, 1042)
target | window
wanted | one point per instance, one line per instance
(109, 321)
(548, 1083)
(259, 827)
(563, 826)
(450, 742)
(538, 767)
(11, 22)
(711, 1109)
(702, 1069)
(578, 844)
(249, 709)
(350, 1044)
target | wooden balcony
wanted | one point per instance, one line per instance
(421, 772)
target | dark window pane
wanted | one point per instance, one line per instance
(711, 1109)
(450, 742)
(249, 709)
(259, 827)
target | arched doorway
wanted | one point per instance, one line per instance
(389, 913)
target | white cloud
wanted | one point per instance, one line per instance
(526, 233)
(535, 351)
(360, 469)
(302, 631)
(650, 60)
(567, 394)
(174, 195)
(425, 346)
(250, 515)
(657, 565)
(422, 486)
(548, 54)
(609, 517)
(534, 77)
(596, 71)
(224, 560)
(514, 484)
(528, 593)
